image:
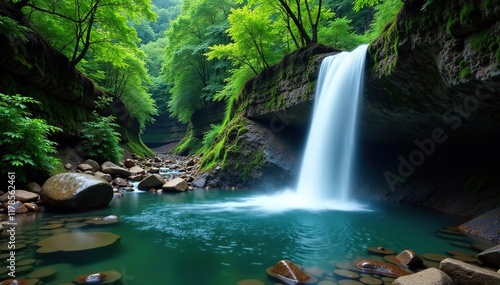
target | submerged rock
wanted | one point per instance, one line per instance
(75, 192)
(289, 273)
(76, 241)
(105, 277)
(380, 267)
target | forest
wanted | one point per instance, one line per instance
(175, 57)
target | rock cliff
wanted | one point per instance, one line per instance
(429, 115)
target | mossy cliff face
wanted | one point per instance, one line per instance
(261, 145)
(429, 117)
(28, 66)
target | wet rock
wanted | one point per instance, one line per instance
(120, 182)
(114, 170)
(409, 258)
(190, 162)
(68, 166)
(136, 178)
(466, 274)
(22, 196)
(175, 185)
(84, 167)
(380, 267)
(381, 250)
(104, 176)
(154, 170)
(137, 170)
(129, 163)
(490, 257)
(19, 208)
(105, 277)
(32, 207)
(152, 181)
(94, 164)
(33, 187)
(429, 276)
(75, 192)
(288, 272)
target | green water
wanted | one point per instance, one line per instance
(213, 237)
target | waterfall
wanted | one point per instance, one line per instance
(326, 167)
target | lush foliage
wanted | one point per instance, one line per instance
(100, 140)
(24, 140)
(97, 36)
(195, 79)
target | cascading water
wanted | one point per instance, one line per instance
(326, 166)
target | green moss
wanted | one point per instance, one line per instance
(189, 143)
(225, 144)
(256, 163)
(487, 42)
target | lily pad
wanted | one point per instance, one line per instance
(79, 241)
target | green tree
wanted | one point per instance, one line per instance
(194, 78)
(77, 26)
(24, 140)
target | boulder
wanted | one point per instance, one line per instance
(154, 170)
(94, 164)
(75, 192)
(431, 276)
(33, 187)
(490, 257)
(83, 167)
(120, 182)
(152, 181)
(22, 196)
(137, 170)
(104, 176)
(466, 274)
(114, 170)
(68, 166)
(409, 258)
(175, 185)
(380, 267)
(129, 163)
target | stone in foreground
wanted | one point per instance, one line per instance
(75, 192)
(152, 181)
(409, 258)
(175, 185)
(490, 257)
(380, 267)
(77, 241)
(466, 274)
(290, 273)
(431, 276)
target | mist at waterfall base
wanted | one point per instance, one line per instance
(325, 174)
